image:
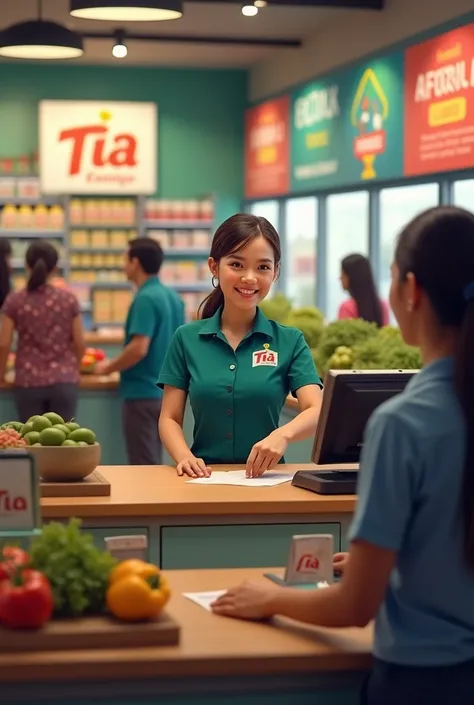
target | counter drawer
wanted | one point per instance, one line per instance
(234, 546)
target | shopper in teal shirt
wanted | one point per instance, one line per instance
(154, 315)
(411, 559)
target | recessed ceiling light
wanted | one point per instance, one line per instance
(260, 3)
(127, 10)
(249, 9)
(39, 39)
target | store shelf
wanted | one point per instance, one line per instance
(104, 226)
(31, 234)
(97, 250)
(186, 252)
(190, 288)
(20, 264)
(178, 225)
(109, 285)
(40, 201)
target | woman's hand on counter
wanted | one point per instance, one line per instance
(193, 467)
(251, 601)
(266, 454)
(102, 368)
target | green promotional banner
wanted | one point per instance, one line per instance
(349, 128)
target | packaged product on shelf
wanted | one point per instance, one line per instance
(191, 303)
(99, 239)
(207, 210)
(118, 239)
(109, 259)
(161, 236)
(91, 211)
(106, 211)
(80, 238)
(26, 217)
(132, 234)
(41, 217)
(168, 273)
(9, 217)
(86, 259)
(191, 209)
(200, 239)
(98, 259)
(187, 272)
(56, 217)
(101, 306)
(120, 305)
(203, 273)
(74, 259)
(129, 212)
(119, 261)
(181, 239)
(166, 210)
(178, 210)
(28, 188)
(7, 188)
(76, 212)
(117, 212)
(150, 211)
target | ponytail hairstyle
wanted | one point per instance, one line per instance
(41, 260)
(362, 288)
(437, 247)
(232, 236)
(5, 254)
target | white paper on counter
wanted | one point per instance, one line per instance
(237, 477)
(204, 599)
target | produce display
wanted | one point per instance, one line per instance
(90, 358)
(351, 344)
(49, 429)
(66, 575)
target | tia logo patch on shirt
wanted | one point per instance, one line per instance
(265, 357)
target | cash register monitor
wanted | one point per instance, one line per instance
(349, 399)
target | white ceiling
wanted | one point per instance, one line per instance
(205, 19)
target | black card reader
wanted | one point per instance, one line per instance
(327, 481)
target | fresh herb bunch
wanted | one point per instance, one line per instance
(77, 570)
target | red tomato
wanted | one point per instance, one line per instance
(10, 558)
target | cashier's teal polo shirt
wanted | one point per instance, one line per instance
(156, 312)
(410, 486)
(236, 396)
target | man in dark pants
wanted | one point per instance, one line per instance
(154, 315)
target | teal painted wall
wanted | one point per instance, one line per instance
(200, 114)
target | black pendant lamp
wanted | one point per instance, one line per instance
(127, 10)
(40, 40)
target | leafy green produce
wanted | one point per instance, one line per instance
(306, 312)
(277, 308)
(312, 328)
(403, 357)
(369, 355)
(341, 359)
(390, 333)
(77, 570)
(347, 333)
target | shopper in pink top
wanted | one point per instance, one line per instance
(50, 339)
(357, 279)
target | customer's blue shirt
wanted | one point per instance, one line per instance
(410, 487)
(156, 312)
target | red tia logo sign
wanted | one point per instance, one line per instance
(307, 563)
(99, 144)
(10, 504)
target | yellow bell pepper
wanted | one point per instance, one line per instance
(137, 591)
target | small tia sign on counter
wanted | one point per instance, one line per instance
(19, 503)
(98, 147)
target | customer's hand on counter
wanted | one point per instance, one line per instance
(193, 467)
(266, 454)
(252, 601)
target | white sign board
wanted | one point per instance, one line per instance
(95, 147)
(18, 493)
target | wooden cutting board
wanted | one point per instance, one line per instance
(91, 633)
(95, 485)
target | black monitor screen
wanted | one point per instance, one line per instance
(349, 399)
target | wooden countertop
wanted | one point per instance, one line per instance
(210, 645)
(138, 491)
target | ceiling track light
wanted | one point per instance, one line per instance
(260, 4)
(119, 49)
(249, 9)
(127, 10)
(40, 40)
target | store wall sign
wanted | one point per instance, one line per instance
(439, 103)
(19, 510)
(89, 147)
(267, 148)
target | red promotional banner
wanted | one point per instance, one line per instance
(439, 104)
(267, 149)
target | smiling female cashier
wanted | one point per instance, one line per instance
(411, 559)
(237, 366)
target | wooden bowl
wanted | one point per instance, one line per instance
(65, 463)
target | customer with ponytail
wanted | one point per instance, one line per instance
(237, 366)
(5, 270)
(50, 339)
(411, 558)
